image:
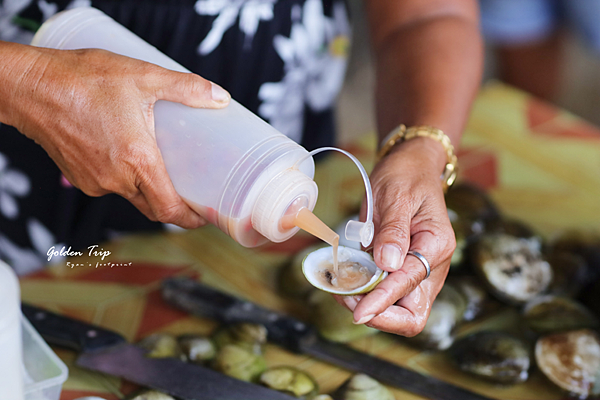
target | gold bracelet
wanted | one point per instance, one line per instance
(402, 134)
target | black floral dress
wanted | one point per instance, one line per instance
(283, 59)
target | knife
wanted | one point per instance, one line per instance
(297, 336)
(108, 352)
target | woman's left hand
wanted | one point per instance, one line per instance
(409, 214)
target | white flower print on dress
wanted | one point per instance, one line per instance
(250, 13)
(26, 260)
(12, 32)
(9, 31)
(13, 183)
(48, 9)
(315, 59)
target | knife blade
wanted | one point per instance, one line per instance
(299, 337)
(108, 352)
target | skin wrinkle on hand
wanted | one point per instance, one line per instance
(73, 102)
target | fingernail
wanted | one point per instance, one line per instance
(390, 256)
(364, 319)
(219, 94)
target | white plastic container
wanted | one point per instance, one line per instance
(229, 165)
(11, 374)
(44, 372)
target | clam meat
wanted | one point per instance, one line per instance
(512, 267)
(356, 271)
(570, 359)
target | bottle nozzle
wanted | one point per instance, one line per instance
(362, 232)
(356, 231)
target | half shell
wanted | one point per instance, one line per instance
(362, 387)
(447, 311)
(290, 380)
(570, 359)
(318, 265)
(512, 267)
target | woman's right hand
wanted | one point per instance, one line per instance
(92, 111)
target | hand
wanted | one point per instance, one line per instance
(409, 214)
(92, 111)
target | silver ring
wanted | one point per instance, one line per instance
(423, 260)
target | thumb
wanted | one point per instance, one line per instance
(191, 90)
(392, 240)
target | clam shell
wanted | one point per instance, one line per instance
(291, 280)
(552, 314)
(495, 356)
(239, 362)
(447, 311)
(473, 292)
(162, 345)
(313, 265)
(293, 381)
(333, 321)
(570, 359)
(362, 387)
(197, 349)
(512, 267)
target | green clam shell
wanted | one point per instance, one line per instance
(162, 345)
(240, 363)
(290, 380)
(251, 336)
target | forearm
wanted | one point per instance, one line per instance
(17, 75)
(428, 71)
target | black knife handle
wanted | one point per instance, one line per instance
(201, 300)
(66, 332)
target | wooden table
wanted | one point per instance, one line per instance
(540, 164)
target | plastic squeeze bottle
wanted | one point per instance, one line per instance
(11, 353)
(229, 165)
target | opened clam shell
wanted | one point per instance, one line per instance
(570, 359)
(357, 272)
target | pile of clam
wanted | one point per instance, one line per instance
(500, 265)
(548, 287)
(238, 351)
